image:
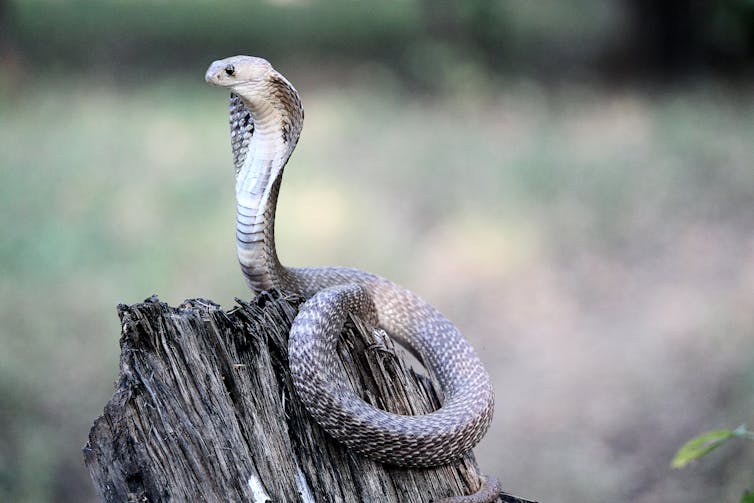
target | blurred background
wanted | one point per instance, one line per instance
(571, 182)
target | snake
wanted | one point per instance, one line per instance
(266, 119)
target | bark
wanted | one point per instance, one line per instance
(204, 410)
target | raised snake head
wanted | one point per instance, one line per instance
(260, 96)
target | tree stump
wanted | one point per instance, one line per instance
(204, 410)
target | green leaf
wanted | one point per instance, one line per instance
(748, 497)
(700, 446)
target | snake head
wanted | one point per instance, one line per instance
(238, 72)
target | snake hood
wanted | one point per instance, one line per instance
(263, 90)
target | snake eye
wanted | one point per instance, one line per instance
(230, 70)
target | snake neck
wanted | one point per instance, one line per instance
(271, 133)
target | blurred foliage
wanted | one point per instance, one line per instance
(111, 194)
(421, 41)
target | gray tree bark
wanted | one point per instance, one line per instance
(204, 410)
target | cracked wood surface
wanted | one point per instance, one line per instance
(204, 410)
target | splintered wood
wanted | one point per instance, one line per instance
(204, 410)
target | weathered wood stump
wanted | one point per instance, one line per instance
(204, 410)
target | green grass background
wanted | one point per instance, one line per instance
(594, 245)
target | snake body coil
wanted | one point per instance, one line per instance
(266, 119)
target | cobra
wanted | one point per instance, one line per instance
(266, 118)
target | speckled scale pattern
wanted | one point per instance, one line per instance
(333, 292)
(241, 130)
(427, 440)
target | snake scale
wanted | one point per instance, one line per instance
(266, 118)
